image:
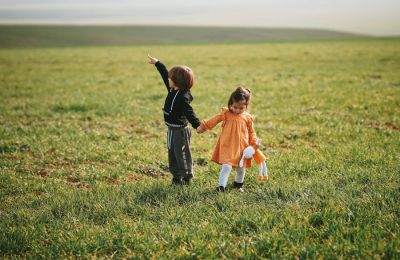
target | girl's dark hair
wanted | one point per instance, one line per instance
(182, 76)
(240, 94)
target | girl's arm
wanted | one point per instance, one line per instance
(161, 68)
(212, 122)
(253, 140)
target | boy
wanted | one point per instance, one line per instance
(177, 113)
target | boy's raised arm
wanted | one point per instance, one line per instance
(152, 60)
(161, 68)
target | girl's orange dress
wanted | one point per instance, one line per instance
(237, 133)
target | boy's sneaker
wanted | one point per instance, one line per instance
(177, 181)
(221, 189)
(187, 181)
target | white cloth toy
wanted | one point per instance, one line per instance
(248, 153)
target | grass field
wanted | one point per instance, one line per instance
(84, 165)
(29, 36)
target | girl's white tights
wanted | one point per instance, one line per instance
(226, 170)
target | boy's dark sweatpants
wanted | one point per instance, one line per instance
(179, 155)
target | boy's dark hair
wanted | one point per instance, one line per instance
(240, 94)
(182, 76)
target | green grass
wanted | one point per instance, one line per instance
(83, 158)
(29, 36)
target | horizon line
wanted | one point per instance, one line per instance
(193, 26)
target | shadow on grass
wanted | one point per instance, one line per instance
(167, 195)
(75, 108)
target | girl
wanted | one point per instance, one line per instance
(237, 133)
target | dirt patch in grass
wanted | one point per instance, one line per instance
(112, 181)
(386, 125)
(76, 182)
(313, 145)
(286, 146)
(46, 170)
(44, 173)
(72, 179)
(141, 132)
(151, 171)
(134, 178)
(392, 125)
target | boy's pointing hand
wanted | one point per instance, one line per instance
(152, 60)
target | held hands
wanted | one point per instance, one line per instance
(200, 130)
(152, 60)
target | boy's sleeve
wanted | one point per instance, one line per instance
(212, 122)
(163, 72)
(190, 114)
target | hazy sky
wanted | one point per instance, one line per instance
(378, 17)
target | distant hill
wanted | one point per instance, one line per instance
(15, 36)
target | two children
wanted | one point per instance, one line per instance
(237, 128)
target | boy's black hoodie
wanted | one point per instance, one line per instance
(177, 109)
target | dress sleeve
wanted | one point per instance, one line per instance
(163, 72)
(252, 133)
(212, 122)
